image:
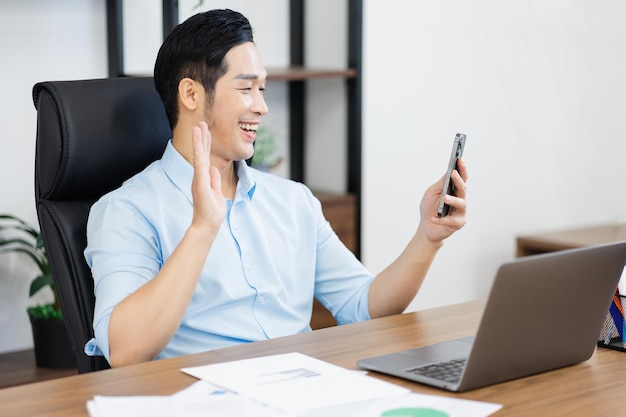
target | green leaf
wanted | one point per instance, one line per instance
(40, 260)
(18, 242)
(46, 311)
(39, 244)
(30, 243)
(15, 223)
(40, 282)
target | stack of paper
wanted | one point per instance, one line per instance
(287, 385)
(191, 402)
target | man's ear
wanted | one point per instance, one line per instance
(189, 93)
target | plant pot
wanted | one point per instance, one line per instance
(52, 345)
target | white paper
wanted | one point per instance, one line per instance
(199, 389)
(291, 385)
(294, 382)
(191, 402)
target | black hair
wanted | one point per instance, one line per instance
(195, 49)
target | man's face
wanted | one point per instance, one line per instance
(238, 105)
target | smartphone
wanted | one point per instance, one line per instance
(448, 185)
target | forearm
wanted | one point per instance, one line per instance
(145, 321)
(395, 287)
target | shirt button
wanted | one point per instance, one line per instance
(261, 299)
(247, 265)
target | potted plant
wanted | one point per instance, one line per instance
(51, 343)
(266, 154)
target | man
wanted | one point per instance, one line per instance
(200, 251)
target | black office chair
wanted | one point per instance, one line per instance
(91, 136)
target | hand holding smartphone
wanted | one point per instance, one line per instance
(448, 185)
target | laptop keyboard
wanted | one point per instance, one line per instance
(449, 371)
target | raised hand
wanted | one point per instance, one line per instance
(209, 204)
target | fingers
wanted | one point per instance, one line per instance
(201, 146)
(459, 178)
(457, 202)
(209, 203)
(202, 160)
(462, 168)
(206, 137)
(437, 228)
(216, 180)
(460, 188)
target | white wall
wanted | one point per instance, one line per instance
(537, 86)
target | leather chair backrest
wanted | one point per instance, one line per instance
(91, 136)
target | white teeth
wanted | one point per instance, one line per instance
(246, 126)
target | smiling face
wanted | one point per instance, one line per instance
(238, 105)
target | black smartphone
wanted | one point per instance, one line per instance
(448, 185)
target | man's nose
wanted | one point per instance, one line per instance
(259, 106)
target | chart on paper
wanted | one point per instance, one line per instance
(414, 412)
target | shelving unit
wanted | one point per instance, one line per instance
(302, 73)
(348, 218)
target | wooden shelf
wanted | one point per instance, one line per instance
(292, 73)
(304, 73)
(340, 211)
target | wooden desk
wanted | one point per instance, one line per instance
(569, 239)
(593, 388)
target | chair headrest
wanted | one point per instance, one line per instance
(95, 134)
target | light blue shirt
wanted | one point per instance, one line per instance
(274, 252)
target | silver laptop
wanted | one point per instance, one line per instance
(543, 312)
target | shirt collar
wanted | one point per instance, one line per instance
(247, 180)
(180, 172)
(177, 169)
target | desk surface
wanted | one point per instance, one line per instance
(593, 388)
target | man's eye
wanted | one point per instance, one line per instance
(249, 89)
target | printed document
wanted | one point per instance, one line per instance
(294, 382)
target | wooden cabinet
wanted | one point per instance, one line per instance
(570, 238)
(340, 211)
